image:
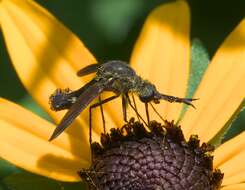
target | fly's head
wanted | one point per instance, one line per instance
(148, 92)
(61, 100)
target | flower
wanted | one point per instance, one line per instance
(160, 158)
(46, 56)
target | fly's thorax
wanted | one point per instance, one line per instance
(117, 77)
(115, 69)
(123, 84)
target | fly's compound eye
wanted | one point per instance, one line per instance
(147, 92)
(146, 95)
(61, 100)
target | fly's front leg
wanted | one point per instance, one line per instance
(159, 115)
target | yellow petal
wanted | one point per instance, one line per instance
(24, 142)
(165, 34)
(222, 89)
(238, 178)
(162, 53)
(234, 165)
(229, 150)
(45, 54)
(240, 186)
(227, 156)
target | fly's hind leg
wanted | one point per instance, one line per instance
(102, 114)
(100, 103)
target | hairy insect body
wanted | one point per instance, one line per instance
(114, 76)
(118, 77)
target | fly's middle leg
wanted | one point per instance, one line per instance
(137, 113)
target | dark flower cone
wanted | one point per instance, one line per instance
(133, 158)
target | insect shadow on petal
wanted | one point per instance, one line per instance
(114, 76)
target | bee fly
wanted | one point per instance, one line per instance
(115, 76)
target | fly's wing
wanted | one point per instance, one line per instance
(88, 70)
(82, 102)
(81, 90)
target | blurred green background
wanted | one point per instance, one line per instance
(109, 29)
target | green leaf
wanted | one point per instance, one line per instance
(237, 126)
(2, 187)
(199, 63)
(73, 186)
(29, 181)
(30, 104)
(110, 15)
(226, 132)
(7, 169)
